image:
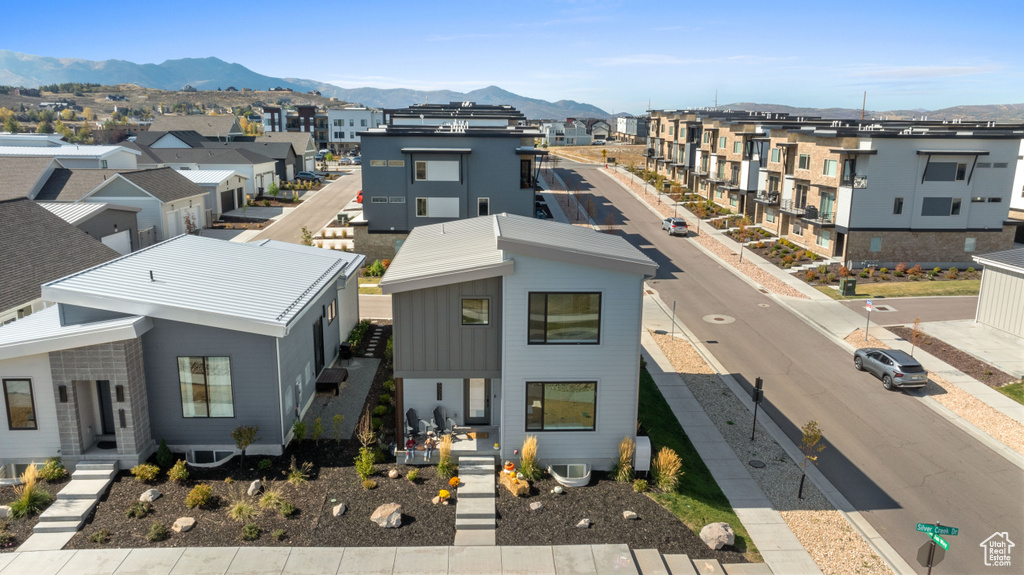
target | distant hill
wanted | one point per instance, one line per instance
(17, 69)
(990, 113)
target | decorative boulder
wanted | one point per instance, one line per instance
(254, 487)
(630, 515)
(150, 495)
(338, 510)
(436, 499)
(388, 515)
(717, 535)
(583, 524)
(394, 474)
(183, 524)
(5, 511)
(536, 506)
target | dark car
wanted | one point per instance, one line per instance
(675, 226)
(308, 177)
(896, 369)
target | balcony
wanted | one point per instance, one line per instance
(767, 198)
(819, 218)
(789, 207)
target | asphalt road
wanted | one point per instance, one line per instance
(894, 459)
(316, 211)
(901, 311)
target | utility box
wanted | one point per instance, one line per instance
(848, 286)
(642, 455)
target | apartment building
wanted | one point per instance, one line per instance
(344, 125)
(631, 129)
(305, 118)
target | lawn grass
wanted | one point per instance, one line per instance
(698, 500)
(869, 289)
(1014, 391)
(368, 285)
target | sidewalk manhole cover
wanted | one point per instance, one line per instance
(884, 308)
(719, 318)
(763, 305)
(756, 463)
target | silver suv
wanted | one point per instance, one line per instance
(896, 369)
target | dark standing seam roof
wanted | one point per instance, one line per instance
(18, 175)
(190, 137)
(273, 150)
(165, 184)
(38, 247)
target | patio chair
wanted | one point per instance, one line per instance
(414, 426)
(441, 422)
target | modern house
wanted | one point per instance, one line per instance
(598, 129)
(524, 325)
(225, 189)
(259, 171)
(289, 150)
(134, 352)
(568, 133)
(303, 147)
(303, 119)
(417, 175)
(1002, 291)
(223, 128)
(345, 124)
(74, 156)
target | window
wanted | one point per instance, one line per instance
(737, 147)
(936, 206)
(437, 208)
(942, 172)
(475, 311)
(769, 216)
(829, 168)
(722, 142)
(351, 122)
(351, 135)
(396, 199)
(421, 207)
(961, 172)
(969, 244)
(565, 318)
(1000, 165)
(568, 406)
(339, 135)
(798, 229)
(671, 130)
(804, 162)
(421, 170)
(977, 199)
(776, 154)
(483, 206)
(876, 244)
(205, 387)
(823, 238)
(21, 409)
(706, 138)
(773, 184)
(994, 200)
(984, 164)
(332, 312)
(378, 163)
(379, 200)
(103, 164)
(396, 163)
(437, 170)
(897, 206)
(955, 211)
(362, 123)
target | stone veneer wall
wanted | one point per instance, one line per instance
(120, 363)
(374, 246)
(929, 249)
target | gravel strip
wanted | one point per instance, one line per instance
(1003, 429)
(834, 545)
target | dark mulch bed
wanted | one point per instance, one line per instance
(279, 201)
(603, 502)
(21, 529)
(959, 359)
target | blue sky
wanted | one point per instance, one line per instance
(615, 54)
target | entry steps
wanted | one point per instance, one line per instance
(652, 562)
(78, 498)
(474, 506)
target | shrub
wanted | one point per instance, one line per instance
(863, 274)
(666, 469)
(163, 455)
(871, 272)
(376, 269)
(157, 532)
(299, 474)
(901, 267)
(299, 431)
(364, 463)
(355, 337)
(279, 534)
(272, 496)
(389, 351)
(98, 537)
(822, 270)
(445, 467)
(380, 410)
(454, 481)
(898, 273)
(386, 399)
(412, 475)
(264, 463)
(844, 272)
(317, 430)
(241, 511)
(336, 422)
(250, 532)
(952, 274)
(915, 271)
(528, 465)
(53, 470)
(936, 270)
(883, 271)
(145, 472)
(138, 510)
(622, 471)
(200, 496)
(286, 509)
(830, 277)
(178, 472)
(640, 485)
(369, 484)
(971, 270)
(810, 275)
(787, 260)
(376, 423)
(882, 277)
(389, 386)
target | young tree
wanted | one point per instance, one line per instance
(307, 236)
(244, 436)
(916, 336)
(742, 233)
(810, 446)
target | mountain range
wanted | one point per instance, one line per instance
(18, 69)
(991, 113)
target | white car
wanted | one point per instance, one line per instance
(675, 226)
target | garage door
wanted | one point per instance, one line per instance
(227, 201)
(121, 242)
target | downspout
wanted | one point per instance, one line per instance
(981, 288)
(280, 389)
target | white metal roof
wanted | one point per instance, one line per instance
(477, 248)
(75, 212)
(257, 287)
(208, 177)
(41, 332)
(69, 151)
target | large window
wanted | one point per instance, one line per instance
(829, 168)
(565, 318)
(205, 386)
(21, 408)
(775, 155)
(483, 206)
(568, 406)
(475, 311)
(804, 162)
(897, 206)
(941, 206)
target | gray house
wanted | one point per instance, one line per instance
(414, 176)
(151, 346)
(528, 326)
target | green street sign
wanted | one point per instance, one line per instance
(940, 541)
(937, 529)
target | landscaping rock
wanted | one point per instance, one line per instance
(394, 474)
(5, 511)
(436, 499)
(717, 535)
(338, 510)
(183, 524)
(583, 524)
(150, 495)
(536, 506)
(254, 487)
(630, 515)
(388, 515)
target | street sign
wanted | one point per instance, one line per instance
(938, 529)
(867, 305)
(942, 542)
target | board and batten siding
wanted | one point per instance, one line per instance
(348, 306)
(430, 340)
(26, 446)
(999, 304)
(421, 394)
(614, 363)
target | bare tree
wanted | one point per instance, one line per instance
(810, 446)
(916, 335)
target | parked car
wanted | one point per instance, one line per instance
(344, 161)
(675, 226)
(309, 177)
(357, 161)
(599, 142)
(896, 369)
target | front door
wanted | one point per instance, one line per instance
(106, 407)
(318, 346)
(477, 394)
